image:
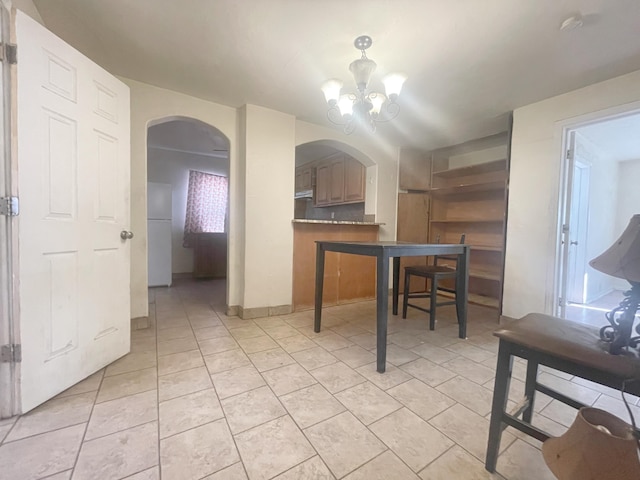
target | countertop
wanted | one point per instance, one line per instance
(334, 222)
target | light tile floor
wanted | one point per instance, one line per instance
(203, 395)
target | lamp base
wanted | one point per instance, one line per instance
(621, 319)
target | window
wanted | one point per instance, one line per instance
(206, 205)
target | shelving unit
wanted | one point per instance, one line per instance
(467, 191)
(472, 200)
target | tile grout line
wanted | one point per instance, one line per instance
(224, 416)
(84, 434)
(155, 327)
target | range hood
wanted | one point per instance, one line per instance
(304, 194)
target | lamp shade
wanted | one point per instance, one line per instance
(362, 69)
(377, 100)
(393, 84)
(331, 90)
(622, 259)
(598, 446)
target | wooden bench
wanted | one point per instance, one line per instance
(566, 346)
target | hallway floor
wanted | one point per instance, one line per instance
(203, 395)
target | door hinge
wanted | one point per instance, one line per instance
(569, 152)
(11, 353)
(9, 53)
(9, 206)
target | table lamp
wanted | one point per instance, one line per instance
(622, 260)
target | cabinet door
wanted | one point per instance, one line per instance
(413, 226)
(322, 184)
(354, 180)
(415, 170)
(303, 178)
(336, 192)
(306, 178)
(298, 182)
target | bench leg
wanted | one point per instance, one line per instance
(530, 389)
(499, 405)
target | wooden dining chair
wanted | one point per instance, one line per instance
(435, 273)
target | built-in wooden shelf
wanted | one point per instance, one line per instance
(469, 188)
(486, 248)
(477, 299)
(470, 220)
(485, 274)
(457, 200)
(494, 166)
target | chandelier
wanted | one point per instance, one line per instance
(363, 107)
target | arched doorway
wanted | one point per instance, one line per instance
(187, 206)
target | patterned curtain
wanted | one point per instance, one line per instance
(206, 205)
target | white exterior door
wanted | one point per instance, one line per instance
(73, 183)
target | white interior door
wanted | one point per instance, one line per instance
(73, 181)
(578, 224)
(565, 233)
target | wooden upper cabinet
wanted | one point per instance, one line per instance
(415, 170)
(304, 177)
(354, 180)
(323, 177)
(336, 189)
(339, 179)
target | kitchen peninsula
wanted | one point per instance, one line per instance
(347, 278)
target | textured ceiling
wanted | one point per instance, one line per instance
(468, 62)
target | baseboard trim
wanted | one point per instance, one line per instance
(258, 312)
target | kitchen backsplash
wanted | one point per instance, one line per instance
(353, 212)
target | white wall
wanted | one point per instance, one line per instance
(269, 142)
(536, 158)
(173, 168)
(27, 6)
(149, 104)
(628, 201)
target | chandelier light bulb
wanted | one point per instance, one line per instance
(377, 100)
(345, 104)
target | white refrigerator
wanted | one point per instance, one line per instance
(159, 233)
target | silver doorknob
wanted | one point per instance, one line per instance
(575, 242)
(125, 235)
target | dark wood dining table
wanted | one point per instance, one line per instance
(383, 251)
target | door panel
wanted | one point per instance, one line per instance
(73, 182)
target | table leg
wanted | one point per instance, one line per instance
(382, 304)
(319, 287)
(396, 283)
(462, 292)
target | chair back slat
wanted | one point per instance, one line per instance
(454, 258)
